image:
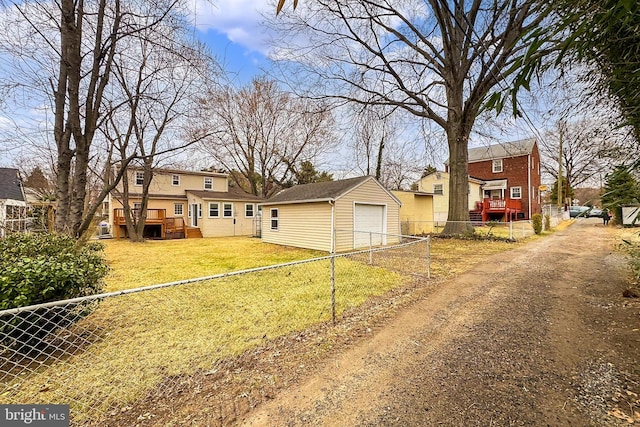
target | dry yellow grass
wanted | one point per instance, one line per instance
(159, 261)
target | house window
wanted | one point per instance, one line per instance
(227, 210)
(208, 183)
(175, 180)
(137, 206)
(516, 192)
(248, 210)
(496, 166)
(214, 210)
(438, 189)
(178, 209)
(139, 177)
(274, 219)
(199, 210)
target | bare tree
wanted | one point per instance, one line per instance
(160, 85)
(262, 133)
(79, 42)
(590, 148)
(436, 59)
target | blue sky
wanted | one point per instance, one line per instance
(233, 31)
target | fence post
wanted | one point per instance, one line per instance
(510, 230)
(333, 278)
(370, 249)
(428, 257)
(333, 288)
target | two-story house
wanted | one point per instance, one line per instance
(511, 172)
(186, 204)
(437, 183)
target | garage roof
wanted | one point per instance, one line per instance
(321, 191)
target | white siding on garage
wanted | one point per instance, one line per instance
(368, 225)
(304, 225)
(369, 192)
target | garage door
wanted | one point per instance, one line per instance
(368, 225)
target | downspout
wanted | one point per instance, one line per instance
(529, 184)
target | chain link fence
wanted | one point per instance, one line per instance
(107, 353)
(513, 230)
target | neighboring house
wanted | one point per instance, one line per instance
(416, 212)
(335, 215)
(511, 172)
(437, 183)
(511, 175)
(187, 204)
(13, 203)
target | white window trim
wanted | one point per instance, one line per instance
(224, 210)
(199, 210)
(210, 181)
(519, 191)
(253, 210)
(173, 181)
(209, 210)
(135, 178)
(272, 218)
(175, 210)
(493, 166)
(441, 189)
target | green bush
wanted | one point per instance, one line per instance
(536, 223)
(547, 222)
(40, 268)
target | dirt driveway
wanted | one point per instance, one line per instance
(537, 336)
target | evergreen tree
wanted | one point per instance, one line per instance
(621, 188)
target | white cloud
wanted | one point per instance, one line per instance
(239, 20)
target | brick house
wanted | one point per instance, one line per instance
(511, 175)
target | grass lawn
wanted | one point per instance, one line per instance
(159, 261)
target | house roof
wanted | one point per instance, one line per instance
(439, 173)
(321, 191)
(522, 147)
(10, 185)
(181, 172)
(234, 193)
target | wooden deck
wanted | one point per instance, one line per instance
(170, 227)
(505, 209)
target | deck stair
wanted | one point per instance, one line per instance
(475, 217)
(194, 233)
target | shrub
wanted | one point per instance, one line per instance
(547, 222)
(536, 222)
(39, 268)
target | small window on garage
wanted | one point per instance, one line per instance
(438, 189)
(248, 210)
(274, 219)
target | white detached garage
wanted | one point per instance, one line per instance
(356, 212)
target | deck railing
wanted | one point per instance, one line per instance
(501, 205)
(153, 215)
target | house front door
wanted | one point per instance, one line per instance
(194, 215)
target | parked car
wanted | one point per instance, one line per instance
(578, 211)
(594, 212)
